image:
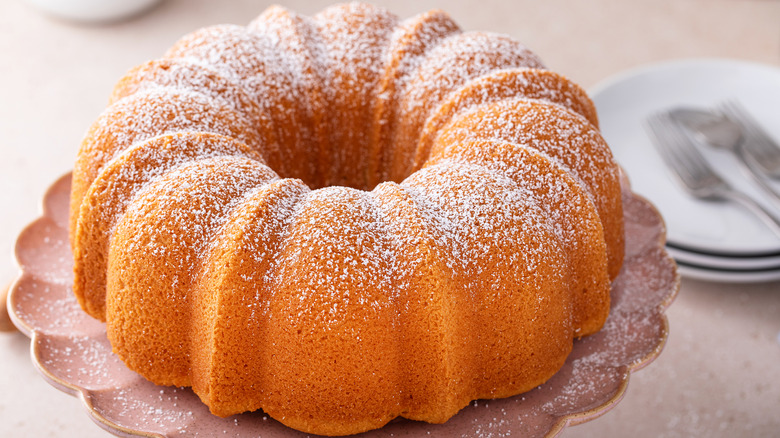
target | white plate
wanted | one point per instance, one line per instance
(623, 103)
(769, 262)
(726, 276)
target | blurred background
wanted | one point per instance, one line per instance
(720, 373)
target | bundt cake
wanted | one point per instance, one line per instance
(346, 218)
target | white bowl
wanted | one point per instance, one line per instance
(93, 10)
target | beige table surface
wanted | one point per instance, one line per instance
(719, 375)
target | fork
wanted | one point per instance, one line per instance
(763, 151)
(694, 173)
(723, 131)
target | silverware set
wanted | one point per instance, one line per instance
(677, 134)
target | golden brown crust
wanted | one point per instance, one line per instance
(354, 39)
(567, 203)
(410, 42)
(145, 115)
(156, 255)
(563, 136)
(113, 190)
(449, 65)
(229, 372)
(500, 85)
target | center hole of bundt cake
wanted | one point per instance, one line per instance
(349, 164)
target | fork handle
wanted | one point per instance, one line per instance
(772, 221)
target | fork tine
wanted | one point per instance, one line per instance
(733, 108)
(678, 145)
(681, 156)
(659, 135)
(665, 142)
(763, 145)
(676, 140)
(762, 150)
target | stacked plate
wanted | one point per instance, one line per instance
(710, 240)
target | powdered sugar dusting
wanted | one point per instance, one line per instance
(462, 57)
(150, 113)
(562, 136)
(156, 255)
(194, 197)
(344, 266)
(413, 39)
(409, 43)
(474, 213)
(82, 359)
(253, 60)
(500, 85)
(160, 411)
(254, 232)
(248, 58)
(181, 74)
(355, 38)
(145, 161)
(114, 189)
(298, 41)
(178, 74)
(46, 303)
(549, 129)
(449, 65)
(147, 114)
(566, 204)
